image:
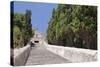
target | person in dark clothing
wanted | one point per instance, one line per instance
(32, 44)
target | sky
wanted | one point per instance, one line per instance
(41, 13)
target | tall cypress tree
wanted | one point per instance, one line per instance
(74, 26)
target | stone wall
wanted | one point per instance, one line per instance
(73, 54)
(21, 55)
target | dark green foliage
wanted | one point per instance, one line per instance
(17, 38)
(22, 29)
(74, 26)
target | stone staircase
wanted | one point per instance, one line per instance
(40, 55)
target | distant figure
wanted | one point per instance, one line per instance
(32, 44)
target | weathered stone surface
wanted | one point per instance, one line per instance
(40, 55)
(50, 54)
(74, 54)
(21, 55)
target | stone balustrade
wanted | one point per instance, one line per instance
(73, 54)
(21, 55)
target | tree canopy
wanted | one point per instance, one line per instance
(73, 26)
(22, 29)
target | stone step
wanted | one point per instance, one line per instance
(40, 55)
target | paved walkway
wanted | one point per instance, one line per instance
(40, 55)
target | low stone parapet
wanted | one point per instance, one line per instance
(21, 55)
(74, 54)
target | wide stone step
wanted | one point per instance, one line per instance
(40, 55)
